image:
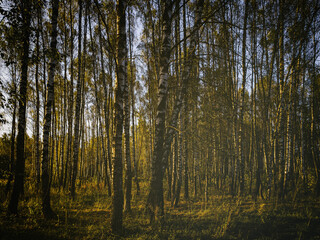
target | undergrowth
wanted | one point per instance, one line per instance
(222, 217)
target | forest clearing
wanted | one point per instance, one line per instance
(159, 119)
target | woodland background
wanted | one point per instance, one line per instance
(160, 119)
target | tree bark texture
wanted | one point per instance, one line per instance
(155, 204)
(20, 161)
(121, 68)
(45, 177)
(77, 113)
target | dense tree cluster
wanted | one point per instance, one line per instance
(195, 98)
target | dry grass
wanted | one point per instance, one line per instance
(88, 217)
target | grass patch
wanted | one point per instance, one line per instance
(88, 217)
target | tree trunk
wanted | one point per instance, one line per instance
(128, 171)
(106, 108)
(70, 107)
(121, 70)
(46, 207)
(155, 204)
(179, 180)
(185, 102)
(78, 105)
(13, 132)
(64, 98)
(195, 160)
(241, 124)
(281, 133)
(37, 123)
(20, 161)
(132, 74)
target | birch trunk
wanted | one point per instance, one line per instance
(128, 171)
(243, 89)
(135, 166)
(20, 161)
(70, 107)
(78, 106)
(155, 204)
(117, 199)
(45, 177)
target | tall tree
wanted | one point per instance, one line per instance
(78, 105)
(13, 128)
(128, 175)
(70, 107)
(25, 9)
(121, 78)
(106, 101)
(282, 121)
(242, 104)
(37, 123)
(155, 204)
(46, 207)
(132, 86)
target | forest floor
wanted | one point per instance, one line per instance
(88, 217)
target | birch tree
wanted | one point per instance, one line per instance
(121, 78)
(155, 203)
(46, 207)
(26, 7)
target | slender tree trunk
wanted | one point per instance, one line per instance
(281, 95)
(46, 207)
(53, 139)
(109, 116)
(174, 168)
(64, 98)
(105, 102)
(83, 87)
(302, 125)
(169, 177)
(37, 123)
(70, 107)
(208, 159)
(195, 160)
(13, 131)
(179, 180)
(288, 142)
(20, 161)
(135, 164)
(132, 74)
(121, 70)
(78, 105)
(97, 171)
(155, 204)
(241, 124)
(128, 171)
(185, 104)
(150, 102)
(253, 144)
